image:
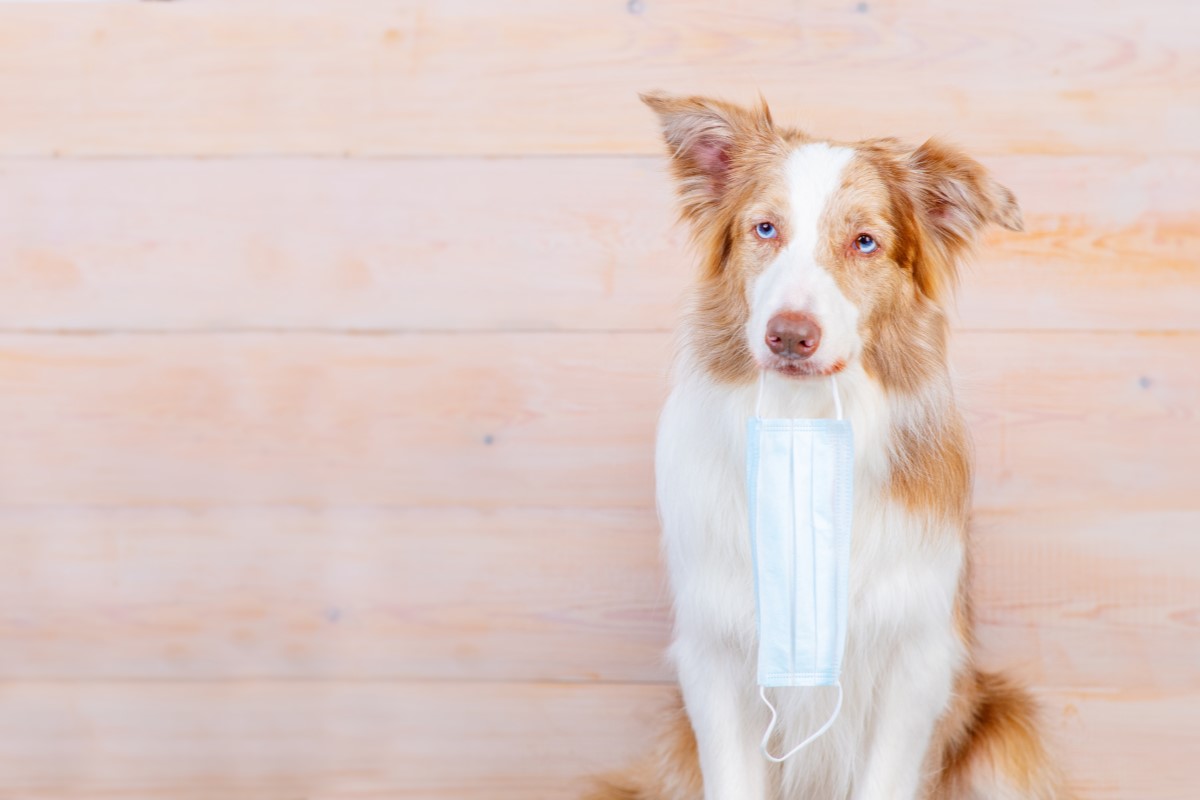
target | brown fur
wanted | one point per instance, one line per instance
(671, 772)
(988, 741)
(925, 206)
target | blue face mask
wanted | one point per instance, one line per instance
(800, 475)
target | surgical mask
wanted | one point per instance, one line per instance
(800, 475)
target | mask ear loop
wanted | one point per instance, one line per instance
(762, 381)
(762, 692)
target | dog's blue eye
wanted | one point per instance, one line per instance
(866, 244)
(766, 230)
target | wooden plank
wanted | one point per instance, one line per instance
(561, 594)
(546, 420)
(1089, 598)
(372, 739)
(450, 740)
(420, 77)
(1089, 731)
(1063, 599)
(310, 420)
(526, 244)
(1096, 420)
(519, 244)
(1109, 245)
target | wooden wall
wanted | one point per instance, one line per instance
(332, 337)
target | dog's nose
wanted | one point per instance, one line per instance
(793, 334)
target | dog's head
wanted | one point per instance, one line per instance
(819, 254)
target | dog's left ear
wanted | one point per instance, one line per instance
(957, 196)
(955, 199)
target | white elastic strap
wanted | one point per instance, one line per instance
(837, 397)
(762, 692)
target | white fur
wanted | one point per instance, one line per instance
(795, 280)
(901, 651)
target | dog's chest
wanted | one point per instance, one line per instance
(902, 578)
(702, 506)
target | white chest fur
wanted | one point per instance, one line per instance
(903, 583)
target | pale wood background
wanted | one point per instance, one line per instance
(333, 336)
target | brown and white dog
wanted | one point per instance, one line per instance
(827, 257)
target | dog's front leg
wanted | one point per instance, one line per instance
(717, 687)
(914, 694)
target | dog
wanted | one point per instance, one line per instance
(824, 258)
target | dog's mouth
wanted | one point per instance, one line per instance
(803, 368)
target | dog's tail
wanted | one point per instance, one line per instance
(997, 751)
(672, 771)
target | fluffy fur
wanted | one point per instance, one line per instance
(919, 719)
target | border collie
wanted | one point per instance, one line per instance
(822, 258)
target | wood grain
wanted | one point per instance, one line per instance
(1063, 598)
(438, 78)
(520, 244)
(544, 420)
(1089, 598)
(317, 420)
(251, 740)
(519, 594)
(244, 740)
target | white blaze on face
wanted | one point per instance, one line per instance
(795, 281)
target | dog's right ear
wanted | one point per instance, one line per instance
(705, 138)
